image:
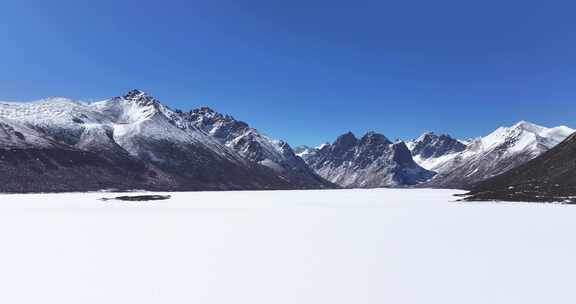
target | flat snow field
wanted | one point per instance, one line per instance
(335, 246)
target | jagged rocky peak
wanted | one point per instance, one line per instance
(206, 111)
(136, 106)
(373, 138)
(402, 154)
(133, 141)
(431, 145)
(206, 116)
(141, 98)
(222, 127)
(254, 146)
(346, 140)
(369, 162)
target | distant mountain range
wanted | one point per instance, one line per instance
(135, 142)
(369, 162)
(437, 161)
(508, 147)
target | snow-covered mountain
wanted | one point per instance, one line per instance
(430, 149)
(303, 151)
(254, 146)
(135, 142)
(549, 177)
(500, 151)
(127, 142)
(370, 162)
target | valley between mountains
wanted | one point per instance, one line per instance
(135, 142)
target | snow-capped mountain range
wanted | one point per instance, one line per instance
(550, 177)
(369, 162)
(496, 153)
(254, 146)
(135, 142)
(435, 160)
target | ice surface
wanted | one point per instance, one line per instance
(335, 246)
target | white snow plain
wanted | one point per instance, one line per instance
(331, 246)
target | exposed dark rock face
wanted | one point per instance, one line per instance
(549, 177)
(369, 162)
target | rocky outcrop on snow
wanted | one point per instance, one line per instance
(369, 162)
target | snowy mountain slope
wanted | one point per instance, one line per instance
(303, 151)
(430, 149)
(14, 134)
(60, 118)
(254, 146)
(370, 162)
(548, 177)
(500, 151)
(171, 152)
(46, 148)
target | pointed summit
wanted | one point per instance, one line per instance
(370, 162)
(528, 126)
(373, 138)
(204, 110)
(432, 145)
(141, 98)
(134, 94)
(425, 135)
(135, 105)
(208, 113)
(346, 140)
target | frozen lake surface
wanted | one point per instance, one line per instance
(298, 247)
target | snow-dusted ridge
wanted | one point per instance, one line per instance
(430, 149)
(369, 162)
(455, 163)
(496, 153)
(253, 145)
(57, 139)
(170, 148)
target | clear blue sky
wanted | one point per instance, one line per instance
(305, 71)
